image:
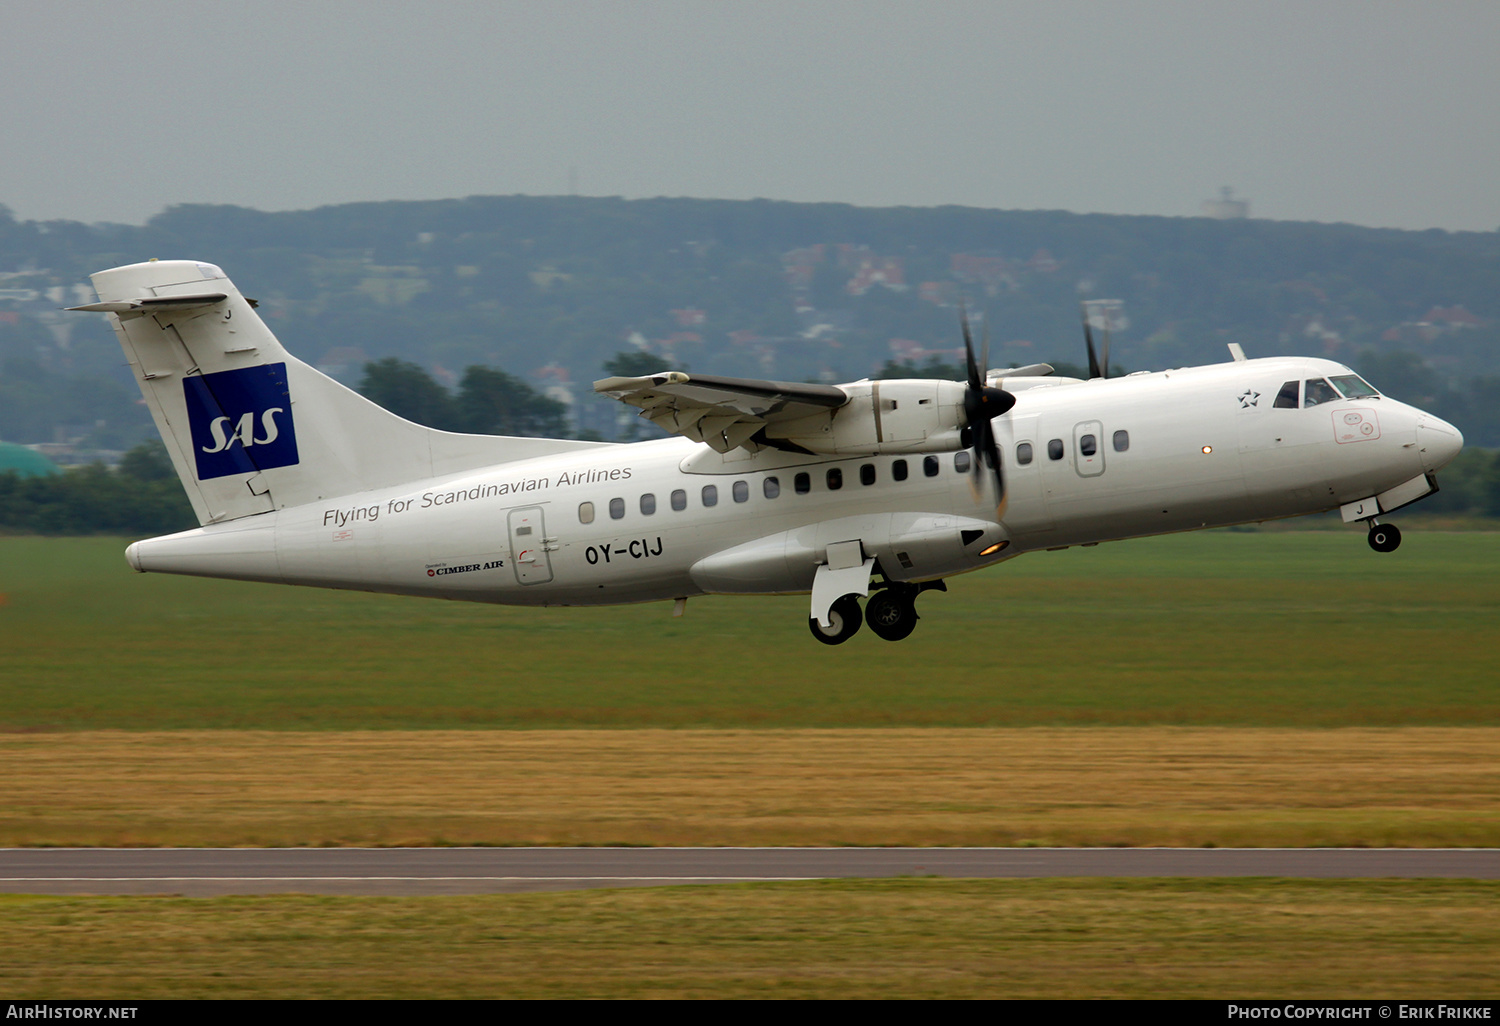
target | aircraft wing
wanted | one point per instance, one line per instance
(724, 413)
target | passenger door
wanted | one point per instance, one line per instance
(529, 546)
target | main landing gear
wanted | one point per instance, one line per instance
(1384, 537)
(891, 613)
(843, 622)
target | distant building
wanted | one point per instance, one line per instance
(1226, 208)
(554, 382)
(1043, 262)
(343, 363)
(25, 461)
(939, 293)
(1439, 321)
(872, 271)
(906, 350)
(1453, 318)
(988, 269)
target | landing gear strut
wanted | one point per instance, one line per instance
(1384, 537)
(843, 622)
(892, 613)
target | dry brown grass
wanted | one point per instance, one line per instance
(1206, 939)
(1044, 786)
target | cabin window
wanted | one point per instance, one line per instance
(1318, 391)
(803, 483)
(741, 491)
(1122, 441)
(867, 473)
(1354, 387)
(1055, 449)
(1088, 445)
(585, 512)
(835, 479)
(648, 504)
(898, 470)
(1286, 399)
(770, 487)
(616, 508)
(930, 466)
(961, 462)
(1023, 453)
(679, 499)
(710, 495)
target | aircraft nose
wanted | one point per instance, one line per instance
(1438, 442)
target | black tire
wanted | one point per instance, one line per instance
(1385, 537)
(891, 614)
(844, 618)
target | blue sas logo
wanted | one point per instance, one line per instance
(241, 421)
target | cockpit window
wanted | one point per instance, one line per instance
(1286, 399)
(1318, 391)
(1353, 386)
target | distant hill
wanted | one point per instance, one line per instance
(549, 288)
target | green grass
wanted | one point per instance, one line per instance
(1231, 628)
(1267, 628)
(1370, 940)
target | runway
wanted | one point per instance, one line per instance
(198, 872)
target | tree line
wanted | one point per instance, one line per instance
(488, 401)
(142, 494)
(526, 282)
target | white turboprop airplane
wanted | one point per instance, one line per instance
(884, 486)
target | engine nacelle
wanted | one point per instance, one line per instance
(909, 546)
(904, 415)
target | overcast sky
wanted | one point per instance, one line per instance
(1379, 113)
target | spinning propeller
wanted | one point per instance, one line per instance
(1096, 369)
(981, 404)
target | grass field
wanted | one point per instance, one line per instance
(1218, 688)
(852, 939)
(1179, 786)
(1221, 628)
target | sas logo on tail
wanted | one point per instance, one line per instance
(241, 421)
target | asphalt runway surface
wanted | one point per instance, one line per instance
(204, 872)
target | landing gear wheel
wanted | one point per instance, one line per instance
(891, 614)
(1384, 537)
(843, 619)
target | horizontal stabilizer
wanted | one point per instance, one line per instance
(148, 304)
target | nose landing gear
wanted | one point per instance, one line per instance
(1384, 537)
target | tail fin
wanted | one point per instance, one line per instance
(251, 428)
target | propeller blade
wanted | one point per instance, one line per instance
(975, 380)
(992, 456)
(1105, 368)
(1088, 340)
(983, 403)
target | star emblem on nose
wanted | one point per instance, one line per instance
(1249, 398)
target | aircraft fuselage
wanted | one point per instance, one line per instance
(1108, 459)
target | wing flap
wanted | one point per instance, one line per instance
(725, 413)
